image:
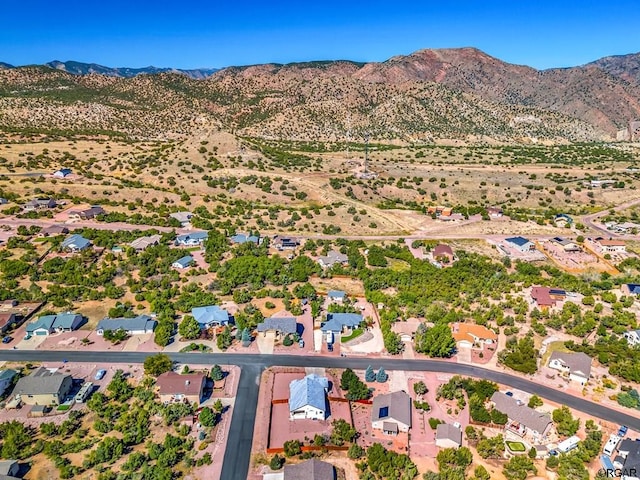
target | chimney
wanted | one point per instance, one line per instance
(186, 383)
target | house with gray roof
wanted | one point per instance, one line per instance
(192, 239)
(308, 398)
(75, 243)
(391, 413)
(61, 322)
(182, 263)
(577, 365)
(54, 230)
(312, 469)
(40, 203)
(448, 436)
(6, 379)
(628, 459)
(633, 337)
(339, 323)
(62, 173)
(183, 217)
(43, 387)
(279, 325)
(133, 326)
(211, 316)
(87, 213)
(522, 419)
(630, 288)
(333, 258)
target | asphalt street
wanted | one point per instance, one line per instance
(238, 452)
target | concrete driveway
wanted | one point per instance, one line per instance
(265, 342)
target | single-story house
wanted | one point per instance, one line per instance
(241, 238)
(191, 239)
(142, 243)
(53, 230)
(40, 203)
(285, 243)
(280, 325)
(443, 253)
(470, 335)
(633, 337)
(608, 245)
(494, 212)
(391, 413)
(61, 322)
(7, 319)
(86, 214)
(6, 379)
(173, 387)
(133, 326)
(211, 316)
(183, 217)
(62, 173)
(566, 244)
(44, 387)
(341, 322)
(332, 258)
(448, 436)
(75, 243)
(308, 398)
(184, 262)
(336, 296)
(312, 469)
(562, 220)
(521, 243)
(577, 365)
(628, 459)
(9, 469)
(546, 297)
(440, 211)
(522, 419)
(630, 289)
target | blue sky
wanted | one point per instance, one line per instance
(189, 34)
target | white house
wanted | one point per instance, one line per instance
(191, 239)
(521, 243)
(608, 245)
(577, 365)
(308, 398)
(133, 326)
(633, 337)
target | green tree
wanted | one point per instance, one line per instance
(381, 376)
(292, 448)
(519, 467)
(571, 467)
(492, 447)
(369, 374)
(480, 473)
(342, 432)
(436, 341)
(276, 462)
(420, 388)
(535, 401)
(189, 328)
(157, 364)
(216, 373)
(355, 451)
(207, 418)
(565, 423)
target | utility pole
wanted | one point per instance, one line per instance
(366, 151)
(348, 134)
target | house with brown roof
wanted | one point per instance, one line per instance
(522, 420)
(391, 413)
(545, 297)
(609, 245)
(494, 212)
(53, 230)
(443, 254)
(576, 365)
(86, 214)
(173, 387)
(472, 335)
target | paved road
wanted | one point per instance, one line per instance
(237, 455)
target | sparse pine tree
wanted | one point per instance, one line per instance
(246, 337)
(216, 373)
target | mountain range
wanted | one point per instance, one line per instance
(460, 93)
(79, 68)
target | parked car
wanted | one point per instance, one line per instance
(623, 431)
(553, 453)
(100, 374)
(7, 339)
(509, 394)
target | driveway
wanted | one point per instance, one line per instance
(265, 342)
